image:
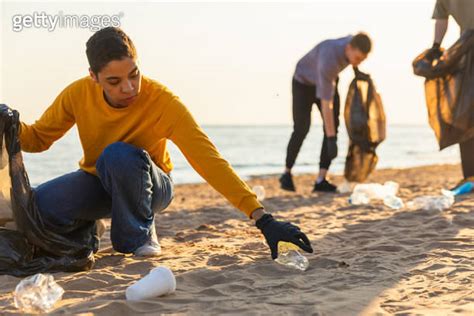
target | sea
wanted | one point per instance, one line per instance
(260, 151)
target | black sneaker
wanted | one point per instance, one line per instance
(324, 186)
(286, 182)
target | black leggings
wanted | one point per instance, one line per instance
(467, 157)
(304, 96)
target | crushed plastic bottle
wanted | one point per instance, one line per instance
(345, 187)
(289, 255)
(359, 198)
(364, 193)
(259, 190)
(37, 293)
(393, 202)
(432, 203)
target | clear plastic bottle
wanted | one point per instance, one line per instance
(37, 293)
(393, 202)
(259, 191)
(288, 255)
(359, 198)
(345, 187)
(432, 203)
(365, 192)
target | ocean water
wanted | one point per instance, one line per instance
(261, 150)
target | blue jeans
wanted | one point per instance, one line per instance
(129, 188)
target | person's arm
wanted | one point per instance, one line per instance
(441, 26)
(330, 129)
(206, 160)
(257, 214)
(325, 89)
(441, 15)
(203, 156)
(52, 125)
(328, 117)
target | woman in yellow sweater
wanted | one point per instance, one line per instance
(124, 120)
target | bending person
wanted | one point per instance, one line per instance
(124, 120)
(315, 81)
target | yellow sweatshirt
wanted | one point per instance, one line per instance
(155, 116)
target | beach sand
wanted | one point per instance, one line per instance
(368, 260)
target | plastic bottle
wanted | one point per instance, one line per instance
(432, 203)
(345, 187)
(259, 192)
(359, 198)
(390, 188)
(289, 256)
(37, 293)
(393, 202)
(364, 193)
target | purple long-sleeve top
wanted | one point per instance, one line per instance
(321, 66)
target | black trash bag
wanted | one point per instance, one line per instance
(449, 91)
(360, 162)
(365, 122)
(33, 247)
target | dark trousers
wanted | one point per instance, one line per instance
(129, 188)
(467, 157)
(304, 96)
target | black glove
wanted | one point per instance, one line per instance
(332, 147)
(434, 52)
(275, 231)
(6, 114)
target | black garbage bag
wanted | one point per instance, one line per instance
(449, 91)
(33, 247)
(365, 122)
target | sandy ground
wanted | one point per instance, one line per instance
(368, 260)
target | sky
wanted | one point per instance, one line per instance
(230, 62)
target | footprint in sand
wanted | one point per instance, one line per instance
(222, 260)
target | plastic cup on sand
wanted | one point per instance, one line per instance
(158, 282)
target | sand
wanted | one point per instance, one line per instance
(368, 260)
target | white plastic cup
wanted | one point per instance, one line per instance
(158, 282)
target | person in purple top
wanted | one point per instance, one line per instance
(315, 81)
